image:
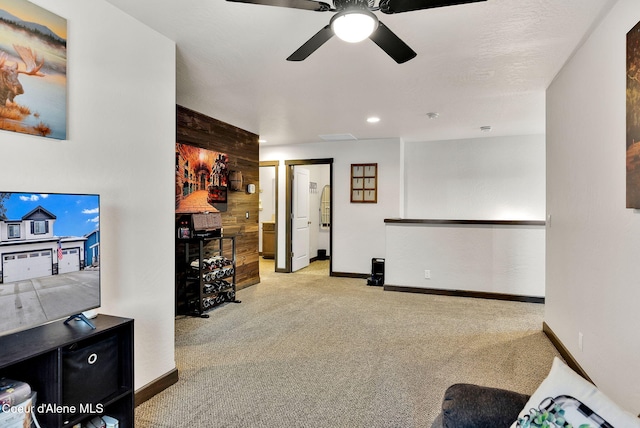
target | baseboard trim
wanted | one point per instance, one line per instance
(155, 387)
(463, 293)
(564, 352)
(350, 275)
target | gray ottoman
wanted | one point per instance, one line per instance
(473, 406)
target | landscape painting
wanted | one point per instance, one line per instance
(202, 180)
(33, 70)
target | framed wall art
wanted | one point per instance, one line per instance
(364, 183)
(202, 180)
(633, 118)
(33, 70)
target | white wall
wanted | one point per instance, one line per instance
(485, 258)
(491, 178)
(593, 273)
(434, 180)
(358, 229)
(120, 144)
(496, 178)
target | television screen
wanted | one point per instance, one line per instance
(49, 257)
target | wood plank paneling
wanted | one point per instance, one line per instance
(241, 146)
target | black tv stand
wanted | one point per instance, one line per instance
(43, 356)
(80, 317)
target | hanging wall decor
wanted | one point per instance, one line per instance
(33, 70)
(364, 183)
(633, 117)
(201, 180)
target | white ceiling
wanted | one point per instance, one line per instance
(478, 64)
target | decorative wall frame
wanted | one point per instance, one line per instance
(364, 183)
(633, 117)
(33, 70)
(201, 180)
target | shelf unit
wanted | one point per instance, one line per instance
(37, 357)
(205, 274)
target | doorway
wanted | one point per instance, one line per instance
(308, 234)
(268, 212)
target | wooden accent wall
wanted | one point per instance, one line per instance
(241, 146)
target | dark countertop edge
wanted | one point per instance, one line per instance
(472, 222)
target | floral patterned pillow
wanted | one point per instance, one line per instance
(565, 399)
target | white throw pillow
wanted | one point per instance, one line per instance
(565, 397)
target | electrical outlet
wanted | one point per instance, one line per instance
(427, 274)
(246, 215)
(580, 336)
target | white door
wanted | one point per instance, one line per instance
(18, 267)
(300, 226)
(70, 261)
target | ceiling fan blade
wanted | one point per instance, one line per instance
(397, 6)
(392, 44)
(319, 39)
(293, 4)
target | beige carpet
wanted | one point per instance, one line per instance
(319, 267)
(307, 350)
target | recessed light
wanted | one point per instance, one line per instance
(373, 119)
(262, 140)
(432, 115)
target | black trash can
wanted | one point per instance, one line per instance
(377, 272)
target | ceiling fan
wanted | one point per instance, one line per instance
(355, 21)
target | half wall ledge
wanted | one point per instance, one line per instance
(499, 259)
(472, 222)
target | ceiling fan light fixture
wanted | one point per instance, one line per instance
(354, 25)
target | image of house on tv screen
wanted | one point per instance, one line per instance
(49, 257)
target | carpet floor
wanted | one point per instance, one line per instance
(309, 350)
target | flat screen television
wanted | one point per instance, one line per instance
(49, 257)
